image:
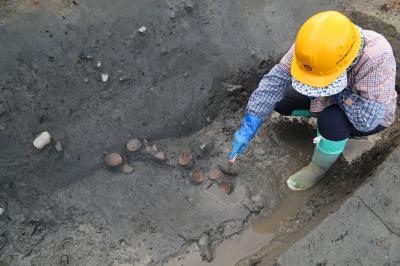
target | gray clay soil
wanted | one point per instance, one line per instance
(182, 85)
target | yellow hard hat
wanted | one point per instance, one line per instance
(326, 45)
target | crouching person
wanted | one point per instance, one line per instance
(337, 71)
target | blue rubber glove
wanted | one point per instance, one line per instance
(244, 135)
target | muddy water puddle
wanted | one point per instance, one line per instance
(259, 234)
(293, 202)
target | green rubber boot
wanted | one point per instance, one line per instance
(302, 113)
(325, 155)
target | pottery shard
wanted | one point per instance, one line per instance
(113, 159)
(127, 169)
(227, 187)
(185, 158)
(133, 145)
(198, 176)
(215, 173)
(160, 156)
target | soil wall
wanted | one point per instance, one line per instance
(163, 83)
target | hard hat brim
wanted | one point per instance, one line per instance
(322, 81)
(333, 88)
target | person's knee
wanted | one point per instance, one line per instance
(293, 100)
(333, 124)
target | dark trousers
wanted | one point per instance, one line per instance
(333, 123)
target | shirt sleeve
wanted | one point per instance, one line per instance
(271, 88)
(367, 107)
(363, 113)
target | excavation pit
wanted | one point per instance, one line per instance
(183, 85)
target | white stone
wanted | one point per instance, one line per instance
(312, 121)
(148, 149)
(147, 260)
(104, 77)
(98, 64)
(59, 147)
(154, 148)
(142, 29)
(127, 169)
(1, 211)
(42, 140)
(256, 198)
(160, 155)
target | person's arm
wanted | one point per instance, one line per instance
(374, 82)
(271, 88)
(365, 114)
(262, 102)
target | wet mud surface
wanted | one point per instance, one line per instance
(110, 217)
(181, 85)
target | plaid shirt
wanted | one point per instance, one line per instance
(368, 100)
